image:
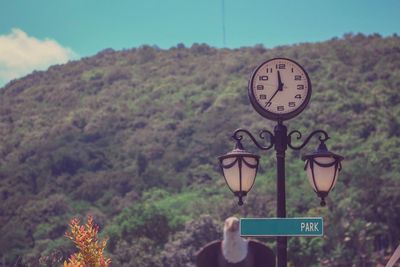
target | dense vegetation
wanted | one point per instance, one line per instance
(132, 137)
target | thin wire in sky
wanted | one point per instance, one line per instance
(223, 23)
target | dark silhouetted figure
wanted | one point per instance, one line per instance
(234, 251)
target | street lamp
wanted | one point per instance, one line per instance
(322, 168)
(239, 168)
(279, 89)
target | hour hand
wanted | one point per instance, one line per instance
(280, 84)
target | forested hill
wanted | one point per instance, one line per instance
(132, 137)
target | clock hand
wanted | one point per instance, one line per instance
(277, 90)
(280, 87)
(280, 84)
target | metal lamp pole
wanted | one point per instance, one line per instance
(280, 133)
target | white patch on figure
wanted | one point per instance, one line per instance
(234, 247)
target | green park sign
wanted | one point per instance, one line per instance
(263, 227)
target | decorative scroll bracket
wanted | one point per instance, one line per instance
(323, 136)
(238, 136)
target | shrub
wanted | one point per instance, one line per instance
(90, 248)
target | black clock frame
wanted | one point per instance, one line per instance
(268, 114)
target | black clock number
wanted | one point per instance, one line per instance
(268, 104)
(298, 96)
(263, 97)
(263, 78)
(260, 87)
(292, 104)
(297, 77)
(280, 66)
(280, 108)
(269, 70)
(300, 87)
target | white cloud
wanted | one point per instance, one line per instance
(20, 54)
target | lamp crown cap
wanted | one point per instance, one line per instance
(238, 145)
(322, 147)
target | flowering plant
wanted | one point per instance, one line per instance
(90, 248)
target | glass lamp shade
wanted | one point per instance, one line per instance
(322, 167)
(324, 178)
(239, 169)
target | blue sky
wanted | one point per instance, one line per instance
(55, 31)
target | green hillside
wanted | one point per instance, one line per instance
(132, 137)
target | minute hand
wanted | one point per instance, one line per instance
(277, 90)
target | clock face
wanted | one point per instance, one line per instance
(279, 89)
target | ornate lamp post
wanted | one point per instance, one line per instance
(279, 89)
